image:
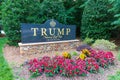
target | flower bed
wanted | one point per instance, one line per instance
(88, 61)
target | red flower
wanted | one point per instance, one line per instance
(88, 68)
(108, 55)
(61, 71)
(96, 66)
(40, 70)
(92, 64)
(71, 67)
(35, 60)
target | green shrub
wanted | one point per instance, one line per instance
(15, 12)
(104, 44)
(96, 20)
(88, 41)
(74, 53)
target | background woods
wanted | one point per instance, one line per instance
(94, 18)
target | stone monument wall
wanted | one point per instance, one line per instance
(46, 47)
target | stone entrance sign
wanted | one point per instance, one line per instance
(47, 37)
(51, 30)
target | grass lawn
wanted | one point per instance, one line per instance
(115, 77)
(5, 71)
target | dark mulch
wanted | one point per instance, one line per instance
(2, 35)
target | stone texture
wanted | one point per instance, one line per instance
(29, 49)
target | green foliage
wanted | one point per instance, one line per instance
(10, 18)
(118, 55)
(116, 22)
(35, 74)
(104, 44)
(2, 42)
(15, 12)
(74, 6)
(53, 11)
(96, 19)
(0, 9)
(88, 41)
(115, 77)
(0, 15)
(5, 71)
(74, 53)
(116, 10)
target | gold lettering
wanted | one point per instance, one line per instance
(52, 30)
(68, 31)
(60, 32)
(34, 31)
(43, 32)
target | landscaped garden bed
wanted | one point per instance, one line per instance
(83, 63)
(28, 50)
(97, 71)
(88, 61)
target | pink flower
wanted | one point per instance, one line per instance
(88, 68)
(35, 60)
(61, 71)
(40, 70)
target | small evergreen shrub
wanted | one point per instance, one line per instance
(88, 41)
(74, 53)
(104, 44)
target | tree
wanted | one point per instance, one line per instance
(116, 10)
(116, 22)
(96, 19)
(76, 12)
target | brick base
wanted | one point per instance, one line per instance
(44, 47)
